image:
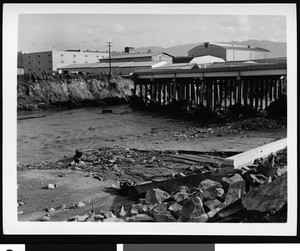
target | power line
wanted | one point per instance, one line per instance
(109, 59)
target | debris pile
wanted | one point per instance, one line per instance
(232, 128)
(259, 191)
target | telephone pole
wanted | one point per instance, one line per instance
(109, 60)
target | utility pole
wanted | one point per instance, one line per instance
(109, 59)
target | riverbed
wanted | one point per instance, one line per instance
(51, 135)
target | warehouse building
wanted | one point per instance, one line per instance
(117, 68)
(50, 61)
(138, 57)
(229, 52)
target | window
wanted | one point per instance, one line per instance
(86, 62)
(86, 56)
(49, 69)
(61, 55)
(61, 61)
(39, 62)
(74, 62)
(74, 56)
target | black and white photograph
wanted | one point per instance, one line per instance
(157, 119)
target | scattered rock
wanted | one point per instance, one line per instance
(175, 207)
(211, 204)
(50, 186)
(61, 207)
(79, 205)
(140, 218)
(45, 218)
(161, 214)
(20, 212)
(210, 189)
(99, 217)
(109, 214)
(180, 196)
(50, 210)
(156, 195)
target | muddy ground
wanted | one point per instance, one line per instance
(91, 184)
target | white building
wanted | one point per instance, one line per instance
(50, 61)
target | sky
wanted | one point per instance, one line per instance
(41, 32)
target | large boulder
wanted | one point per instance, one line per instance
(210, 189)
(269, 197)
(156, 195)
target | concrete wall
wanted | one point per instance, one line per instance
(235, 55)
(49, 61)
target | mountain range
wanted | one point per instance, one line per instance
(277, 49)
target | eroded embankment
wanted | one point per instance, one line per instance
(67, 91)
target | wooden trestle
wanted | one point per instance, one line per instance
(216, 88)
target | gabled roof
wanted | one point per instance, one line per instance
(240, 47)
(181, 66)
(136, 55)
(141, 64)
(113, 64)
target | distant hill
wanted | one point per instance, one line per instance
(277, 49)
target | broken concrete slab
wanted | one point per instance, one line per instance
(172, 185)
(248, 157)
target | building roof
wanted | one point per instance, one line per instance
(113, 64)
(141, 64)
(75, 66)
(240, 47)
(206, 60)
(182, 66)
(135, 55)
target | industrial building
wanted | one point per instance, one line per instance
(117, 68)
(50, 61)
(229, 52)
(138, 57)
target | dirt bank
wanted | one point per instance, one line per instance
(42, 92)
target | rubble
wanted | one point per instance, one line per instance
(231, 128)
(209, 195)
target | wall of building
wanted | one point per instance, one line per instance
(127, 59)
(49, 61)
(235, 55)
(163, 57)
(20, 71)
(159, 57)
(38, 62)
(63, 58)
(210, 49)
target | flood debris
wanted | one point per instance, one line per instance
(200, 192)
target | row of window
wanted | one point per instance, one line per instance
(40, 69)
(39, 62)
(74, 56)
